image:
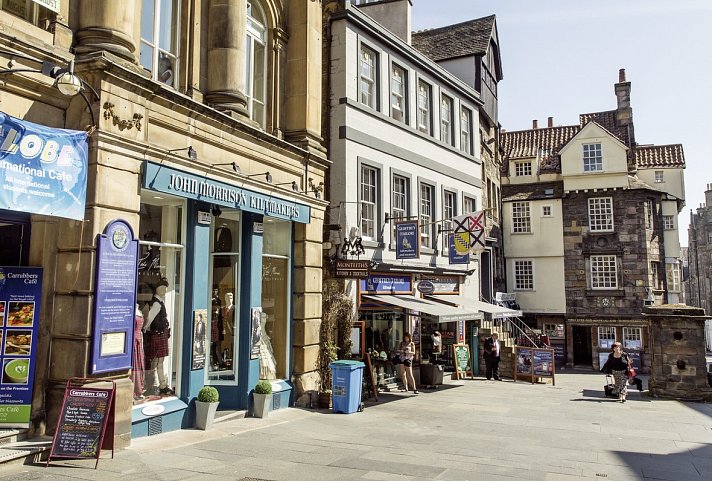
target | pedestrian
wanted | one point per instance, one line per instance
(407, 353)
(618, 364)
(492, 354)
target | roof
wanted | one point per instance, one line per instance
(543, 144)
(607, 120)
(650, 156)
(538, 191)
(458, 40)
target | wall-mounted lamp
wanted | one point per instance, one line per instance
(316, 188)
(268, 176)
(295, 186)
(216, 211)
(192, 153)
(235, 167)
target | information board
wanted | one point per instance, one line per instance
(463, 363)
(532, 363)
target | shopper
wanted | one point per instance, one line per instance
(618, 364)
(492, 356)
(407, 353)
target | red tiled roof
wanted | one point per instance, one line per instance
(452, 41)
(543, 144)
(660, 156)
(607, 120)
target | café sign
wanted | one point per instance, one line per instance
(356, 269)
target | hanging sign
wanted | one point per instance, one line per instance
(407, 239)
(44, 170)
(425, 287)
(454, 256)
(20, 294)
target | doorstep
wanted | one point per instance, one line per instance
(19, 452)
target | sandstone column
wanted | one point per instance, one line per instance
(227, 23)
(107, 26)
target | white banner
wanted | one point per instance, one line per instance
(50, 4)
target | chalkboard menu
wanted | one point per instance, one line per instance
(82, 422)
(463, 366)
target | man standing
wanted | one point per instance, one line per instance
(492, 352)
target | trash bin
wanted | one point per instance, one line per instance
(431, 374)
(346, 380)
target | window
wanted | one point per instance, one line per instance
(659, 177)
(255, 85)
(469, 204)
(424, 104)
(606, 337)
(709, 237)
(449, 211)
(632, 338)
(521, 220)
(426, 215)
(29, 10)
(669, 222)
(522, 168)
(160, 20)
(367, 86)
(446, 120)
(655, 278)
(399, 208)
(648, 210)
(399, 106)
(672, 273)
(369, 186)
(546, 211)
(523, 275)
(604, 272)
(592, 158)
(554, 330)
(466, 130)
(600, 214)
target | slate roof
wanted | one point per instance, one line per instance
(543, 144)
(539, 191)
(650, 156)
(607, 120)
(458, 40)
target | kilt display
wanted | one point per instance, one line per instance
(157, 344)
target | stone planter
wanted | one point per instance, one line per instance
(261, 404)
(205, 414)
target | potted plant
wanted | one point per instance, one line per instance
(262, 396)
(205, 406)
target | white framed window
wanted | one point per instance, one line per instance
(604, 272)
(522, 168)
(592, 158)
(672, 273)
(600, 214)
(606, 337)
(369, 198)
(521, 218)
(160, 28)
(399, 87)
(256, 63)
(449, 211)
(659, 176)
(466, 130)
(648, 211)
(368, 75)
(424, 107)
(446, 120)
(546, 211)
(427, 201)
(400, 202)
(633, 338)
(523, 275)
(655, 277)
(669, 222)
(554, 331)
(469, 204)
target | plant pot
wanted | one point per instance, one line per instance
(325, 400)
(261, 405)
(205, 414)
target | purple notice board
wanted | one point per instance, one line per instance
(115, 305)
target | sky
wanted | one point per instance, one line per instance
(561, 58)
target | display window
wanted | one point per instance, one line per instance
(276, 299)
(384, 333)
(159, 314)
(225, 280)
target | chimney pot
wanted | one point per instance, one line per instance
(535, 124)
(621, 75)
(550, 122)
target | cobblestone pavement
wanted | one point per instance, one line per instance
(467, 430)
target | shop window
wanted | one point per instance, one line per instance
(256, 56)
(276, 299)
(30, 11)
(224, 296)
(160, 293)
(606, 337)
(160, 27)
(384, 333)
(554, 331)
(632, 338)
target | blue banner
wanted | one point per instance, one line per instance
(456, 258)
(44, 170)
(387, 284)
(20, 295)
(407, 240)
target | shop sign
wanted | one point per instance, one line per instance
(115, 298)
(20, 294)
(443, 284)
(177, 182)
(204, 218)
(352, 269)
(407, 239)
(44, 170)
(199, 318)
(387, 284)
(426, 287)
(49, 4)
(454, 256)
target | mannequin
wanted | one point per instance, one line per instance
(138, 361)
(158, 333)
(216, 330)
(228, 320)
(268, 365)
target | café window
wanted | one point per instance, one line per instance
(276, 299)
(222, 334)
(606, 337)
(30, 11)
(160, 27)
(159, 297)
(632, 338)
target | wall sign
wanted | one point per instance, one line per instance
(443, 284)
(387, 284)
(352, 269)
(407, 239)
(44, 170)
(204, 218)
(200, 317)
(115, 299)
(50, 4)
(20, 295)
(426, 287)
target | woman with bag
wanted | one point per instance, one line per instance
(619, 365)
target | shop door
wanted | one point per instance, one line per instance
(14, 244)
(582, 345)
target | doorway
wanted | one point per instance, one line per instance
(14, 243)
(582, 346)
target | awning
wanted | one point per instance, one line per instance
(442, 312)
(498, 312)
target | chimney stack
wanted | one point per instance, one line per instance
(550, 122)
(535, 124)
(621, 75)
(708, 195)
(624, 113)
(395, 15)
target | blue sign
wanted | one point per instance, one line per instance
(115, 298)
(456, 258)
(407, 240)
(387, 284)
(20, 295)
(44, 170)
(177, 182)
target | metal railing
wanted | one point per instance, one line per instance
(518, 330)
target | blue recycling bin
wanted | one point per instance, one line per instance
(346, 379)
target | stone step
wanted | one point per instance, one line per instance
(22, 451)
(8, 436)
(222, 416)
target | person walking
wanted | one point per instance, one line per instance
(492, 355)
(618, 364)
(407, 353)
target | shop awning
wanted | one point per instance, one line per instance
(497, 312)
(441, 312)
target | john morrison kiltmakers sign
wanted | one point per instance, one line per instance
(44, 170)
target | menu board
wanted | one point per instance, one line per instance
(533, 363)
(543, 362)
(20, 294)
(463, 365)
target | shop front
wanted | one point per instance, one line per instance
(216, 260)
(590, 341)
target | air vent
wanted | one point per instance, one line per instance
(155, 425)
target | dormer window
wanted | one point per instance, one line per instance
(592, 158)
(522, 169)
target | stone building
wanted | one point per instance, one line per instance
(699, 260)
(591, 231)
(207, 119)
